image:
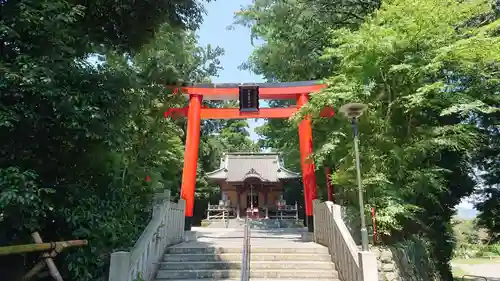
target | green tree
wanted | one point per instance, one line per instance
(236, 138)
(78, 139)
(488, 160)
(428, 75)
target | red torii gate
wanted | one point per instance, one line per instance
(249, 95)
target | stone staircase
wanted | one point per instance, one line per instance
(221, 263)
(278, 251)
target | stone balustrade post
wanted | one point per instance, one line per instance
(182, 205)
(368, 265)
(119, 268)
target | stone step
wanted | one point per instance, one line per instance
(254, 257)
(221, 250)
(255, 265)
(230, 274)
(201, 257)
(290, 257)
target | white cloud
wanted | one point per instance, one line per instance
(466, 204)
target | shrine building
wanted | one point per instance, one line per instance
(252, 184)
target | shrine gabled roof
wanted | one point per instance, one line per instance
(236, 167)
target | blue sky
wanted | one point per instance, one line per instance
(236, 44)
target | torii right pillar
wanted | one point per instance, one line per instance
(306, 149)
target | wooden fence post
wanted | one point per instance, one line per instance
(48, 260)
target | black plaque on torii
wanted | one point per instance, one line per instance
(249, 98)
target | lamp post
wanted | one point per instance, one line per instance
(353, 111)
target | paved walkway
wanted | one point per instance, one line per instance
(490, 270)
(233, 238)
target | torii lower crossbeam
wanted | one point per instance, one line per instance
(235, 113)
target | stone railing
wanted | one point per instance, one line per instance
(331, 231)
(165, 228)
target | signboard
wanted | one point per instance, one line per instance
(249, 98)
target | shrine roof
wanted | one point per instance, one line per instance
(238, 166)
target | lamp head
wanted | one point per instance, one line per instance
(353, 110)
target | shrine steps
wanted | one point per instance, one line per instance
(267, 263)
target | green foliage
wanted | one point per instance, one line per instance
(467, 251)
(79, 138)
(490, 211)
(297, 30)
(429, 72)
(127, 26)
(236, 137)
(473, 241)
(20, 189)
(465, 232)
(414, 260)
(488, 160)
(139, 278)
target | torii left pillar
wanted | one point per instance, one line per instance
(188, 184)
